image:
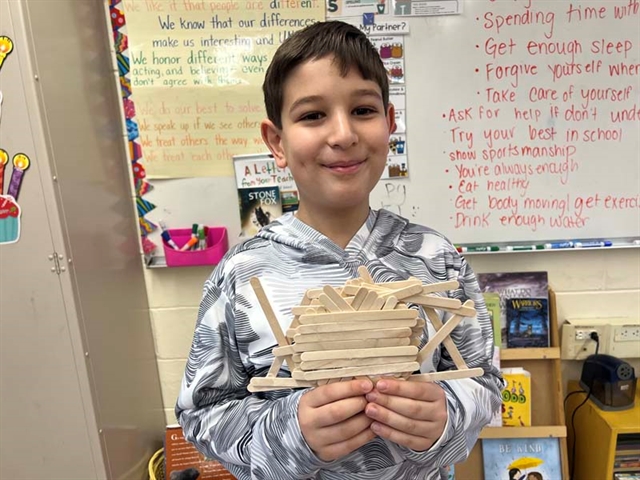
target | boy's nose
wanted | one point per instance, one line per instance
(342, 134)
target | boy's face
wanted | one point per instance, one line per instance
(334, 136)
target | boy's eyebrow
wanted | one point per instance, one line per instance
(361, 92)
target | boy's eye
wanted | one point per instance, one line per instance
(364, 111)
(311, 116)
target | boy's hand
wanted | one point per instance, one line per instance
(411, 414)
(332, 418)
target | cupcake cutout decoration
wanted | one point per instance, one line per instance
(9, 220)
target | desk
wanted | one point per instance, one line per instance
(598, 432)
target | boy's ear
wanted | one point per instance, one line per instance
(272, 137)
(391, 118)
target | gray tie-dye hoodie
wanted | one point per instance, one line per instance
(257, 436)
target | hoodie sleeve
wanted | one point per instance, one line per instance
(256, 436)
(470, 401)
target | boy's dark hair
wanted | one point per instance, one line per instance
(349, 46)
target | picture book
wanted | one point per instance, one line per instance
(513, 285)
(184, 462)
(492, 300)
(516, 398)
(259, 206)
(527, 322)
(521, 459)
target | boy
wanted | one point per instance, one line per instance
(329, 120)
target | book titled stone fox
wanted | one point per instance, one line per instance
(259, 206)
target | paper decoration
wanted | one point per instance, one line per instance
(9, 220)
(4, 159)
(6, 47)
(20, 165)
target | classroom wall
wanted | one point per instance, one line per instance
(588, 284)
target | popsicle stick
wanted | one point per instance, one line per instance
(350, 344)
(350, 327)
(402, 306)
(364, 274)
(354, 362)
(275, 367)
(359, 353)
(454, 353)
(440, 287)
(283, 351)
(277, 383)
(359, 298)
(405, 292)
(359, 316)
(333, 380)
(378, 303)
(447, 375)
(323, 382)
(314, 293)
(328, 303)
(368, 302)
(350, 289)
(302, 309)
(358, 334)
(356, 371)
(390, 303)
(434, 301)
(271, 317)
(335, 297)
(296, 357)
(354, 281)
(400, 284)
(438, 338)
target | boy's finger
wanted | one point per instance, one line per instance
(425, 391)
(339, 450)
(337, 391)
(419, 444)
(408, 407)
(346, 430)
(339, 411)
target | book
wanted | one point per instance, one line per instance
(492, 301)
(259, 206)
(496, 419)
(513, 285)
(521, 458)
(516, 398)
(184, 462)
(527, 322)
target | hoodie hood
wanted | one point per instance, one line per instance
(375, 239)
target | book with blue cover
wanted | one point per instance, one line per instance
(527, 323)
(521, 459)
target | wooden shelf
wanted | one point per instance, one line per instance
(558, 431)
(529, 353)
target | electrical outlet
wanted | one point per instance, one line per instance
(577, 343)
(619, 337)
(625, 340)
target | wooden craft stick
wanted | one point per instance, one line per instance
(354, 281)
(349, 344)
(359, 353)
(354, 362)
(438, 338)
(448, 342)
(334, 380)
(328, 303)
(335, 297)
(364, 274)
(358, 334)
(275, 367)
(350, 290)
(350, 327)
(296, 357)
(271, 317)
(402, 306)
(434, 301)
(359, 298)
(368, 301)
(359, 316)
(400, 284)
(405, 292)
(302, 309)
(323, 382)
(440, 287)
(391, 303)
(356, 371)
(447, 375)
(277, 383)
(313, 293)
(378, 303)
(283, 351)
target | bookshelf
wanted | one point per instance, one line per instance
(547, 409)
(604, 438)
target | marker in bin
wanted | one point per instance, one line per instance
(166, 237)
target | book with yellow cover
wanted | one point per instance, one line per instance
(516, 398)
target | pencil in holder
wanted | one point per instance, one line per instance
(217, 246)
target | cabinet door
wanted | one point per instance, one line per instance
(47, 428)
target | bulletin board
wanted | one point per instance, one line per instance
(522, 116)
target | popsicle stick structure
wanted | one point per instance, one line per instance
(362, 330)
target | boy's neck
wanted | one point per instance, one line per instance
(340, 226)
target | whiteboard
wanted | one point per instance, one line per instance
(479, 87)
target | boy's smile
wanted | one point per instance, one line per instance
(334, 138)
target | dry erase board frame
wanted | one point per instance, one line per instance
(445, 98)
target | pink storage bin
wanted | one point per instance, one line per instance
(217, 241)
